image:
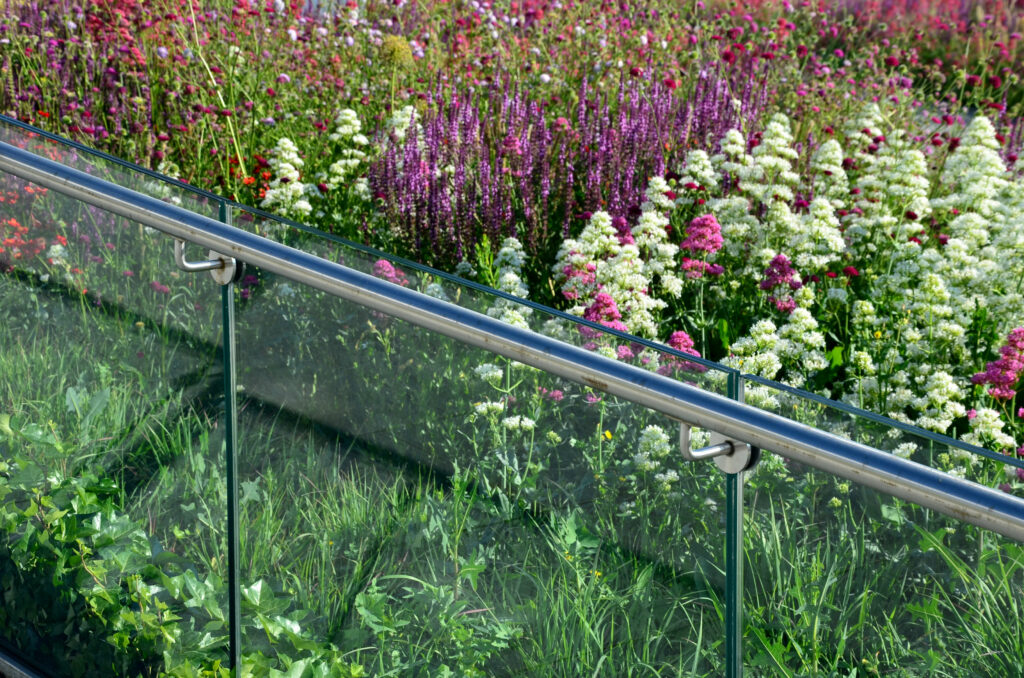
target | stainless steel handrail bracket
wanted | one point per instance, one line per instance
(731, 456)
(223, 268)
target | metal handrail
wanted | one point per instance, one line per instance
(961, 499)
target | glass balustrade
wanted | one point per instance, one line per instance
(404, 503)
(112, 484)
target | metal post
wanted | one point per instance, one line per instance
(231, 463)
(734, 558)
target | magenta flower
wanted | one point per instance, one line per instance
(682, 342)
(1002, 374)
(704, 234)
(695, 268)
(781, 276)
(555, 394)
(385, 270)
(603, 311)
(158, 287)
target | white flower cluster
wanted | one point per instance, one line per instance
(974, 171)
(987, 430)
(652, 448)
(350, 156)
(509, 263)
(287, 195)
(830, 180)
(771, 176)
(659, 255)
(696, 170)
(518, 423)
(801, 346)
(490, 373)
(655, 196)
(399, 123)
(599, 262)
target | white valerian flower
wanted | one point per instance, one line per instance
(347, 125)
(657, 187)
(771, 176)
(398, 124)
(987, 430)
(490, 373)
(509, 263)
(733, 157)
(488, 408)
(287, 193)
(437, 291)
(905, 450)
(696, 171)
(667, 478)
(819, 243)
(830, 181)
(974, 172)
(654, 442)
(518, 423)
(57, 253)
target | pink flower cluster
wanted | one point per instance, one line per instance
(385, 270)
(603, 311)
(704, 234)
(682, 342)
(781, 274)
(578, 281)
(1004, 373)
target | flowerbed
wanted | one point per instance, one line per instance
(828, 197)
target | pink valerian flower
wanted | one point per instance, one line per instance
(681, 342)
(578, 281)
(704, 234)
(780, 276)
(624, 352)
(696, 268)
(554, 394)
(623, 231)
(385, 270)
(603, 311)
(1002, 374)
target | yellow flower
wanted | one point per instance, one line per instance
(878, 334)
(608, 435)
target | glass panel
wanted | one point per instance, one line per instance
(955, 457)
(415, 507)
(843, 580)
(117, 172)
(651, 355)
(111, 472)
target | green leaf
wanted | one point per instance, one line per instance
(42, 436)
(471, 569)
(894, 514)
(97, 403)
(250, 492)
